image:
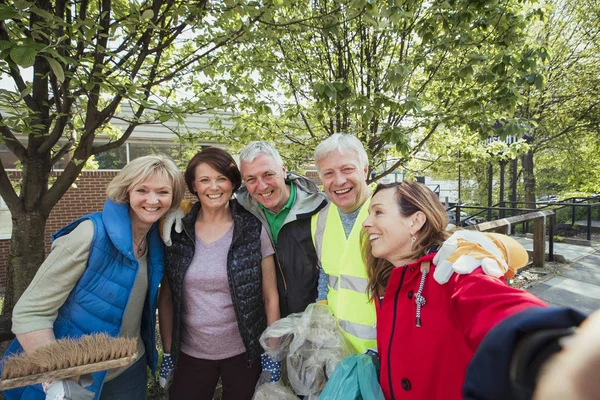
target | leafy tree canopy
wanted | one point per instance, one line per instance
(391, 72)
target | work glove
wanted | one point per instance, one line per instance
(173, 217)
(465, 251)
(165, 374)
(66, 389)
(269, 365)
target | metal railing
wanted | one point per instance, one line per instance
(574, 203)
(540, 220)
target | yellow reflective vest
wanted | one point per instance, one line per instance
(342, 261)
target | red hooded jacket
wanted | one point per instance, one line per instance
(429, 362)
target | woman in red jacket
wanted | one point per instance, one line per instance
(428, 333)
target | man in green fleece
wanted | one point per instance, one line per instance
(285, 203)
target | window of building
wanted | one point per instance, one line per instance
(7, 158)
(119, 157)
(5, 221)
(112, 159)
(137, 150)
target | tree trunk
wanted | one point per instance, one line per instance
(25, 256)
(528, 179)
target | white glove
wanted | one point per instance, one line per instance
(464, 252)
(66, 389)
(174, 217)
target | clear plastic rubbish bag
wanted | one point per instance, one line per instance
(311, 345)
(355, 378)
(274, 391)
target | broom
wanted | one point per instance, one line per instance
(67, 358)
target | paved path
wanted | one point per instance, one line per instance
(570, 252)
(577, 285)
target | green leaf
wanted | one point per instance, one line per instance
(22, 4)
(148, 15)
(330, 92)
(26, 91)
(7, 12)
(56, 69)
(539, 81)
(5, 44)
(42, 13)
(24, 56)
(465, 71)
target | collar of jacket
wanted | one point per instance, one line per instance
(309, 199)
(117, 224)
(416, 266)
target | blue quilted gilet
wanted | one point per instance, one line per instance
(97, 302)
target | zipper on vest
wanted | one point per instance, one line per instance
(278, 264)
(281, 272)
(192, 238)
(392, 334)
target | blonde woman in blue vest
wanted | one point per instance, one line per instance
(343, 165)
(102, 276)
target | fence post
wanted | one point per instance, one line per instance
(573, 209)
(551, 237)
(457, 216)
(539, 242)
(589, 222)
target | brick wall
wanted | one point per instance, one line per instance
(314, 176)
(4, 246)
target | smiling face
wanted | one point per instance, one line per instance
(212, 187)
(344, 180)
(265, 181)
(389, 231)
(150, 200)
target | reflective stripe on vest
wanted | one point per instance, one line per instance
(358, 330)
(341, 260)
(354, 283)
(333, 281)
(318, 228)
(348, 282)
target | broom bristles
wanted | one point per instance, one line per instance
(67, 353)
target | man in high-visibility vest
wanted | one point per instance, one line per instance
(342, 164)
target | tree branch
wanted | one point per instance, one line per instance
(413, 151)
(63, 150)
(13, 144)
(7, 192)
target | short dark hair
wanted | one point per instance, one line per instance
(218, 159)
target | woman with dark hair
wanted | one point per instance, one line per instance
(436, 339)
(220, 291)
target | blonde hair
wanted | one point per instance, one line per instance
(410, 198)
(141, 169)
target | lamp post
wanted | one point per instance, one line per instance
(459, 178)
